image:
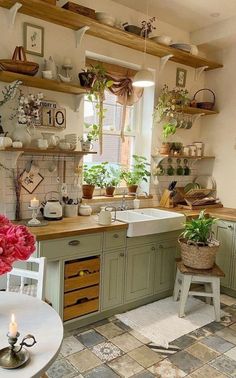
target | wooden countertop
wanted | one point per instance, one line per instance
(73, 226)
(224, 213)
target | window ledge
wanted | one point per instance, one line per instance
(116, 198)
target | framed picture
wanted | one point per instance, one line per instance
(181, 75)
(33, 39)
(30, 181)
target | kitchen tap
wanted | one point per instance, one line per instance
(123, 205)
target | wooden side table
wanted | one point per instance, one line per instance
(209, 277)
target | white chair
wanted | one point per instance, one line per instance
(39, 276)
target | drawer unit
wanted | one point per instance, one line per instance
(72, 246)
(114, 239)
(81, 287)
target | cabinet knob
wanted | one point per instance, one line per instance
(153, 248)
(74, 242)
(230, 227)
(115, 236)
(122, 254)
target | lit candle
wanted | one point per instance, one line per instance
(67, 62)
(13, 327)
(34, 203)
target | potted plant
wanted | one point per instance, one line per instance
(198, 246)
(112, 180)
(138, 173)
(93, 176)
(92, 135)
(86, 78)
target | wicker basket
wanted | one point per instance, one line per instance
(197, 257)
(205, 104)
(19, 63)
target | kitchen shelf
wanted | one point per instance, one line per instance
(158, 158)
(37, 82)
(53, 151)
(74, 21)
(192, 110)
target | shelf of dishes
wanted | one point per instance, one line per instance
(75, 21)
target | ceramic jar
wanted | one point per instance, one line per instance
(5, 142)
(21, 134)
(85, 209)
(70, 211)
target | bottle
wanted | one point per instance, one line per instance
(136, 203)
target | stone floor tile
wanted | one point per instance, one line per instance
(217, 343)
(166, 369)
(199, 333)
(233, 326)
(122, 325)
(102, 371)
(224, 364)
(183, 342)
(144, 374)
(185, 361)
(231, 312)
(202, 352)
(110, 330)
(228, 334)
(125, 366)
(145, 356)
(207, 371)
(106, 351)
(71, 345)
(126, 342)
(90, 338)
(214, 327)
(84, 360)
(140, 337)
(227, 300)
(226, 320)
(61, 369)
(231, 353)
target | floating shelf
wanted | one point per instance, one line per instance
(37, 82)
(71, 20)
(191, 110)
(161, 157)
(36, 151)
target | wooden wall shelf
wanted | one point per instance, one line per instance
(37, 82)
(191, 110)
(68, 19)
(36, 151)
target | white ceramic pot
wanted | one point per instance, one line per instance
(5, 142)
(86, 146)
(70, 211)
(21, 133)
(163, 39)
(85, 209)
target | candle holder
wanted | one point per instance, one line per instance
(67, 68)
(15, 356)
(34, 221)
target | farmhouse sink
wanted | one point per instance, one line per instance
(150, 221)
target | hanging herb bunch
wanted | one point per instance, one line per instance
(168, 108)
(147, 27)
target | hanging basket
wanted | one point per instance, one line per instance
(208, 105)
(19, 63)
(198, 257)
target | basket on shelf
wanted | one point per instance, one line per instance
(208, 105)
(19, 63)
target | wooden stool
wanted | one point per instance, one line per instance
(209, 277)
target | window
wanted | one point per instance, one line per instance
(115, 151)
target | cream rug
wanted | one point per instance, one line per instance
(159, 321)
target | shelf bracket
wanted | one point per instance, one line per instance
(78, 99)
(196, 117)
(199, 71)
(79, 34)
(13, 12)
(9, 159)
(164, 60)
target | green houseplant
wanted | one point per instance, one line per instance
(93, 176)
(198, 246)
(113, 177)
(139, 172)
(92, 135)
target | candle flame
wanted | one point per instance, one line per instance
(34, 199)
(13, 318)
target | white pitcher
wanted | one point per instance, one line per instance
(105, 216)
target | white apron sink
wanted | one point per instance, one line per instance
(150, 221)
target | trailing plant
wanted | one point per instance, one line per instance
(199, 231)
(93, 133)
(138, 173)
(95, 174)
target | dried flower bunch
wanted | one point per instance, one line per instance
(28, 109)
(147, 27)
(9, 91)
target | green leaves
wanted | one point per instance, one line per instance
(199, 231)
(138, 173)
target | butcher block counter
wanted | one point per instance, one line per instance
(223, 213)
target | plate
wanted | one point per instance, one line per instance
(182, 46)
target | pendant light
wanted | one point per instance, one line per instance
(144, 77)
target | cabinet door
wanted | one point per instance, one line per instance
(113, 279)
(140, 272)
(224, 232)
(165, 265)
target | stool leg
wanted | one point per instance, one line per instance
(186, 282)
(177, 287)
(216, 297)
(208, 289)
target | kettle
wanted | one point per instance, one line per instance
(105, 216)
(52, 208)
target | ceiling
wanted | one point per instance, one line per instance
(186, 14)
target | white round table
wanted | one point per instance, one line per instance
(33, 317)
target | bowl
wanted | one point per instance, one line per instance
(105, 18)
(133, 29)
(163, 39)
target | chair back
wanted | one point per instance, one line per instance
(24, 274)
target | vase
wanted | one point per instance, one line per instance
(21, 133)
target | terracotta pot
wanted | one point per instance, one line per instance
(165, 149)
(110, 191)
(132, 189)
(88, 191)
(198, 257)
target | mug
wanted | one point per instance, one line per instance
(42, 144)
(5, 142)
(66, 146)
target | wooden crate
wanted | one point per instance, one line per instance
(76, 8)
(80, 309)
(78, 296)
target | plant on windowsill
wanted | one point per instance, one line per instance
(93, 176)
(137, 174)
(91, 136)
(112, 180)
(198, 246)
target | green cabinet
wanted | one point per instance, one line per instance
(140, 272)
(166, 253)
(225, 233)
(113, 279)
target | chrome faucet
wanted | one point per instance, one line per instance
(123, 205)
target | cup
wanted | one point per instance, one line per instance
(47, 74)
(42, 144)
(66, 146)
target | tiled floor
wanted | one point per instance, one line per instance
(110, 349)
